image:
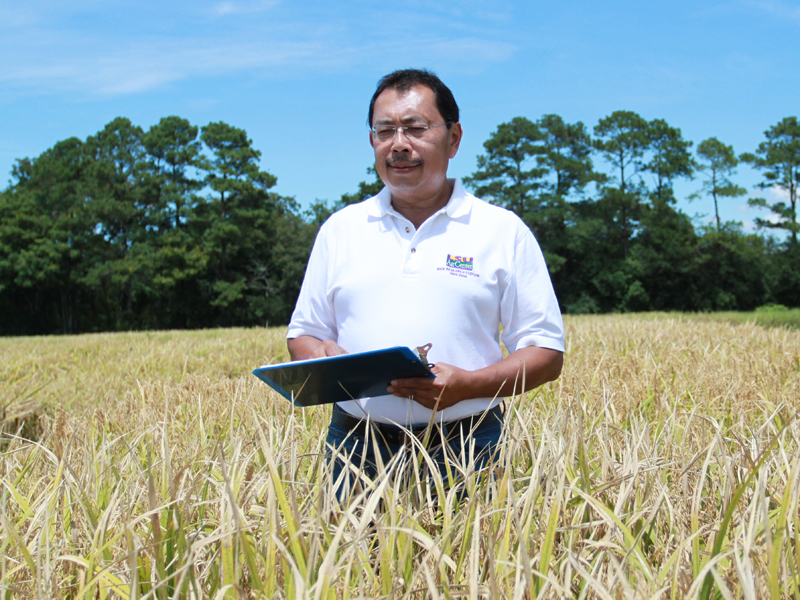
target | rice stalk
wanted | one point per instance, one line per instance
(663, 463)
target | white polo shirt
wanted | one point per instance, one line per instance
(374, 281)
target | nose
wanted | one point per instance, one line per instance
(400, 141)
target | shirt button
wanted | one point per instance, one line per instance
(408, 229)
(413, 250)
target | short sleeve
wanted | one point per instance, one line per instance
(314, 315)
(529, 309)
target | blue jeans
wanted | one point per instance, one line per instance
(456, 445)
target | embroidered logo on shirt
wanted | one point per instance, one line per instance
(460, 266)
(459, 262)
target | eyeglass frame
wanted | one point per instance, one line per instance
(405, 129)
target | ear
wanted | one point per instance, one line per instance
(371, 141)
(456, 134)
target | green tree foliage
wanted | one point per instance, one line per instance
(167, 229)
(663, 248)
(622, 139)
(239, 195)
(46, 237)
(537, 169)
(670, 159)
(174, 155)
(717, 162)
(564, 159)
(275, 275)
(115, 195)
(644, 242)
(366, 189)
(782, 277)
(320, 210)
(778, 157)
(626, 247)
(730, 270)
(171, 177)
(131, 229)
(508, 173)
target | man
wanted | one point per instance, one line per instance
(426, 262)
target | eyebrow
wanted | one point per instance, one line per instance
(410, 119)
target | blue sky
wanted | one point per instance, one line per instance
(297, 76)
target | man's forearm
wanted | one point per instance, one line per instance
(305, 346)
(524, 370)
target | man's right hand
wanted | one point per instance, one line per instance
(306, 346)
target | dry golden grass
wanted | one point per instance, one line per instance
(663, 463)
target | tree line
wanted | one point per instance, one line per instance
(173, 227)
(614, 239)
(177, 226)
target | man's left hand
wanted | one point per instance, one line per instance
(523, 370)
(450, 386)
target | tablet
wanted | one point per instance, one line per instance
(344, 377)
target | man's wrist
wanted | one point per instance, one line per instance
(303, 347)
(480, 384)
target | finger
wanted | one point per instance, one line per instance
(407, 392)
(411, 393)
(417, 383)
(425, 400)
(320, 352)
(333, 349)
(404, 392)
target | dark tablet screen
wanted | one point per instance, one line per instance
(341, 378)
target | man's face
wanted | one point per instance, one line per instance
(413, 168)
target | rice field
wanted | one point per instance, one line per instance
(662, 464)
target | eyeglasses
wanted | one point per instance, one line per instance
(384, 133)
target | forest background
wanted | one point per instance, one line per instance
(178, 227)
(117, 227)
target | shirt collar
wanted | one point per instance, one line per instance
(460, 203)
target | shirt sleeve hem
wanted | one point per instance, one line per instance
(540, 342)
(296, 331)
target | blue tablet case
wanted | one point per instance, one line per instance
(341, 378)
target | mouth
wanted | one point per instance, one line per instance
(403, 165)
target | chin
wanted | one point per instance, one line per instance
(405, 187)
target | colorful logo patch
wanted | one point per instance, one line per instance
(459, 262)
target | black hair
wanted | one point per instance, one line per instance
(404, 79)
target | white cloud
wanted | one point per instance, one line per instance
(139, 67)
(779, 194)
(776, 8)
(93, 49)
(142, 67)
(12, 17)
(36, 12)
(492, 11)
(239, 8)
(775, 194)
(746, 208)
(749, 227)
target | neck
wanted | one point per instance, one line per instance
(418, 209)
